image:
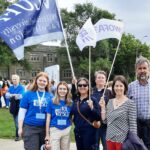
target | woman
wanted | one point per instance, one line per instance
(32, 113)
(120, 115)
(4, 89)
(85, 133)
(58, 119)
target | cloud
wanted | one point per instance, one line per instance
(134, 14)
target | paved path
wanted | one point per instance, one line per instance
(12, 145)
(7, 144)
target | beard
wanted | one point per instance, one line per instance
(143, 77)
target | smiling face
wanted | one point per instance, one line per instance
(83, 87)
(100, 80)
(42, 82)
(62, 91)
(119, 88)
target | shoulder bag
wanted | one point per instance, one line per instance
(95, 124)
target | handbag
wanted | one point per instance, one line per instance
(95, 124)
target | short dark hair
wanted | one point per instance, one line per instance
(123, 80)
(100, 72)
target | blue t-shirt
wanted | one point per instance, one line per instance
(34, 115)
(60, 114)
(19, 89)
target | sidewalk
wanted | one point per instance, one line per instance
(7, 144)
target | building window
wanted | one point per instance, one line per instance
(34, 57)
(50, 57)
(67, 73)
(3, 73)
(34, 73)
(21, 72)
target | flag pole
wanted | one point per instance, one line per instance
(89, 72)
(68, 53)
(111, 67)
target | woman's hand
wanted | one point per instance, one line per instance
(47, 138)
(74, 81)
(90, 103)
(102, 103)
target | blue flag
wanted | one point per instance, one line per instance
(30, 22)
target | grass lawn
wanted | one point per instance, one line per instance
(7, 127)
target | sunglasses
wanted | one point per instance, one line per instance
(84, 85)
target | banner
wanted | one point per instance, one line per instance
(87, 35)
(30, 22)
(106, 28)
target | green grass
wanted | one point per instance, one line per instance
(7, 127)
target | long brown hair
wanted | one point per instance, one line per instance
(68, 96)
(35, 86)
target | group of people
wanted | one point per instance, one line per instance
(46, 117)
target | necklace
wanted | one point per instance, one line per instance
(118, 102)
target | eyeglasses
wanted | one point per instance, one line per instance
(84, 85)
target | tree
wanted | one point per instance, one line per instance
(73, 21)
(103, 54)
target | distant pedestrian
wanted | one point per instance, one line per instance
(15, 94)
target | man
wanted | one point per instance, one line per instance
(15, 93)
(139, 91)
(100, 80)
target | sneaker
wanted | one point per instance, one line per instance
(17, 139)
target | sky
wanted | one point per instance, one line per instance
(135, 14)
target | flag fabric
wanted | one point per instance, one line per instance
(30, 22)
(86, 36)
(106, 28)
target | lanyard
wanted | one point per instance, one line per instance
(40, 99)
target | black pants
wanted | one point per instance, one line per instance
(144, 131)
(85, 138)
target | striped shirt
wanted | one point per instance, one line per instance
(140, 94)
(120, 120)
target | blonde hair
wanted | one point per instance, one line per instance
(35, 86)
(68, 97)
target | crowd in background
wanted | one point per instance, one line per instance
(44, 112)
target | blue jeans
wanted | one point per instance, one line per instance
(16, 124)
(101, 135)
